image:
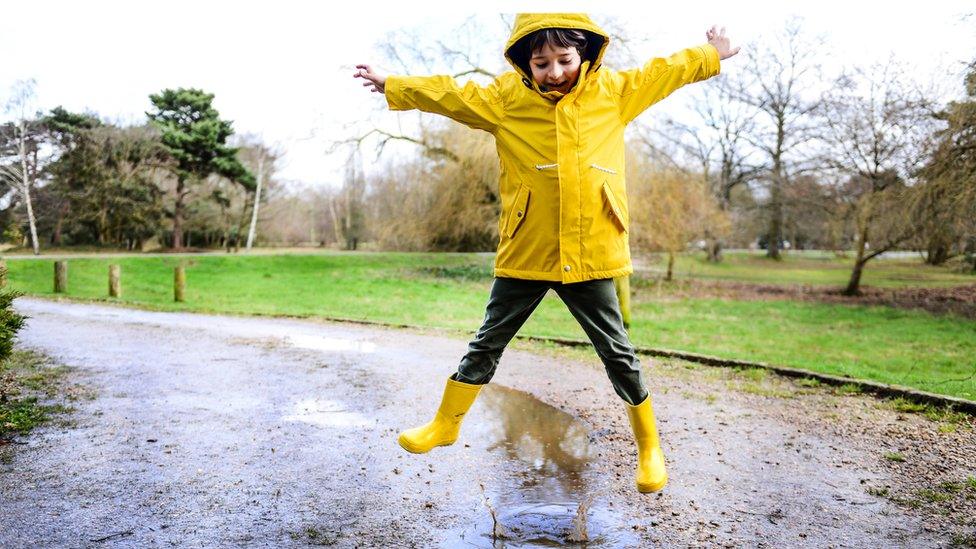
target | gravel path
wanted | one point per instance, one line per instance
(227, 431)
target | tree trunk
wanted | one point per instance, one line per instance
(59, 224)
(970, 252)
(103, 226)
(670, 273)
(336, 225)
(853, 285)
(257, 203)
(937, 252)
(178, 215)
(240, 226)
(25, 182)
(775, 233)
(713, 247)
(33, 224)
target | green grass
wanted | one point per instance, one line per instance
(27, 385)
(947, 417)
(817, 269)
(905, 347)
(809, 382)
(878, 492)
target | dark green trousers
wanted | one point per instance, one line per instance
(594, 305)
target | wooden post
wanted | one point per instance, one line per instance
(622, 283)
(114, 284)
(179, 283)
(60, 277)
(3, 273)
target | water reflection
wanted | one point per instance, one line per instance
(553, 443)
(538, 502)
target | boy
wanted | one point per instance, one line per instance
(558, 122)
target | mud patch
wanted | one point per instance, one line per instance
(957, 300)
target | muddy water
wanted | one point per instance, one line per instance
(552, 497)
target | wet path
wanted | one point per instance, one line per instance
(233, 431)
(225, 431)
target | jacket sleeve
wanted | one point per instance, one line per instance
(641, 88)
(475, 106)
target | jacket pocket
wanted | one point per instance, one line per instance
(615, 209)
(519, 210)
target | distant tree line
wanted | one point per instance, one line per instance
(180, 179)
(775, 154)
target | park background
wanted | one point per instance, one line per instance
(814, 206)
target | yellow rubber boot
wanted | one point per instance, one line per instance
(651, 474)
(443, 429)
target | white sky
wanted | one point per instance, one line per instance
(280, 69)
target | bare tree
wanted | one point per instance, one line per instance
(875, 129)
(350, 217)
(260, 159)
(449, 200)
(669, 208)
(20, 141)
(777, 79)
(715, 143)
(945, 209)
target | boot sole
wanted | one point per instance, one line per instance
(650, 488)
(414, 449)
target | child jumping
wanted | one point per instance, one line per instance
(558, 120)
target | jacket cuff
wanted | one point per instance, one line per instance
(393, 89)
(712, 63)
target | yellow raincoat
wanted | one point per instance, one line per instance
(564, 200)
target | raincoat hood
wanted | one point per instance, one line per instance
(516, 49)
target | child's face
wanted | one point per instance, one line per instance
(556, 68)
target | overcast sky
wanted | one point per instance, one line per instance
(281, 69)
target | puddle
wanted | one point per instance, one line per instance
(326, 413)
(319, 343)
(257, 330)
(548, 480)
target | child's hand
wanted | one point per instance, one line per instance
(717, 38)
(374, 80)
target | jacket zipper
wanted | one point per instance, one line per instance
(602, 169)
(541, 167)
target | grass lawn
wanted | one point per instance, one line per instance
(906, 347)
(820, 269)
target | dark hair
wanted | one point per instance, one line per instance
(564, 38)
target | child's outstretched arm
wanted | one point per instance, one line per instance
(472, 105)
(641, 88)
